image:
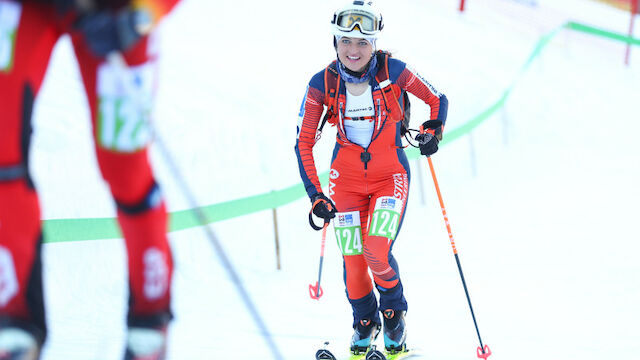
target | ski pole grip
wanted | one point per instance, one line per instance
(313, 225)
(431, 127)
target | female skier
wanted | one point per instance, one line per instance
(363, 91)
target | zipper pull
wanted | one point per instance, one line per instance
(365, 157)
(379, 115)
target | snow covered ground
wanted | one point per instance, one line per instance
(541, 197)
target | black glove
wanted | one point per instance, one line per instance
(429, 139)
(322, 207)
(107, 30)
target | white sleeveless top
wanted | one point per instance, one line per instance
(359, 117)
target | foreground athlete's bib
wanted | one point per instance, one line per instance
(386, 217)
(348, 232)
(9, 19)
(124, 106)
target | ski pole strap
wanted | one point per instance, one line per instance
(313, 225)
(408, 136)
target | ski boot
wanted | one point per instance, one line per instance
(18, 344)
(365, 331)
(146, 343)
(394, 331)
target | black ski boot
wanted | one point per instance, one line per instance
(394, 331)
(364, 333)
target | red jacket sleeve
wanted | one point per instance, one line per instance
(309, 117)
(411, 81)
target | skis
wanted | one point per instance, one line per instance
(374, 354)
(371, 354)
(406, 354)
(324, 354)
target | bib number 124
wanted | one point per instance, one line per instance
(386, 217)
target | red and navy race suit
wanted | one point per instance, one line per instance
(359, 176)
(36, 26)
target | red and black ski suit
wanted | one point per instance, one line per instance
(28, 32)
(360, 177)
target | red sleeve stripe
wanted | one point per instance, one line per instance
(410, 81)
(313, 108)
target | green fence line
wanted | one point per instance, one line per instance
(602, 33)
(63, 230)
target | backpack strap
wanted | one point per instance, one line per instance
(390, 98)
(331, 84)
(407, 113)
(331, 89)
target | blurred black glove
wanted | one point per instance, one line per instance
(322, 207)
(107, 30)
(429, 139)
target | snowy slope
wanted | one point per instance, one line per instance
(541, 197)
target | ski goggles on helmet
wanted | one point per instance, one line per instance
(348, 20)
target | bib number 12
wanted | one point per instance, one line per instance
(124, 106)
(9, 20)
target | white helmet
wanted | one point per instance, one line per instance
(359, 20)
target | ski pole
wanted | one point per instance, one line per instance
(483, 351)
(117, 61)
(315, 291)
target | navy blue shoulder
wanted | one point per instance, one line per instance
(396, 67)
(317, 81)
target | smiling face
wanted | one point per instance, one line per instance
(354, 53)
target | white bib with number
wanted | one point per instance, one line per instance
(348, 232)
(124, 106)
(9, 20)
(386, 217)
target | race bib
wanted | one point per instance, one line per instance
(9, 20)
(124, 107)
(348, 232)
(386, 217)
